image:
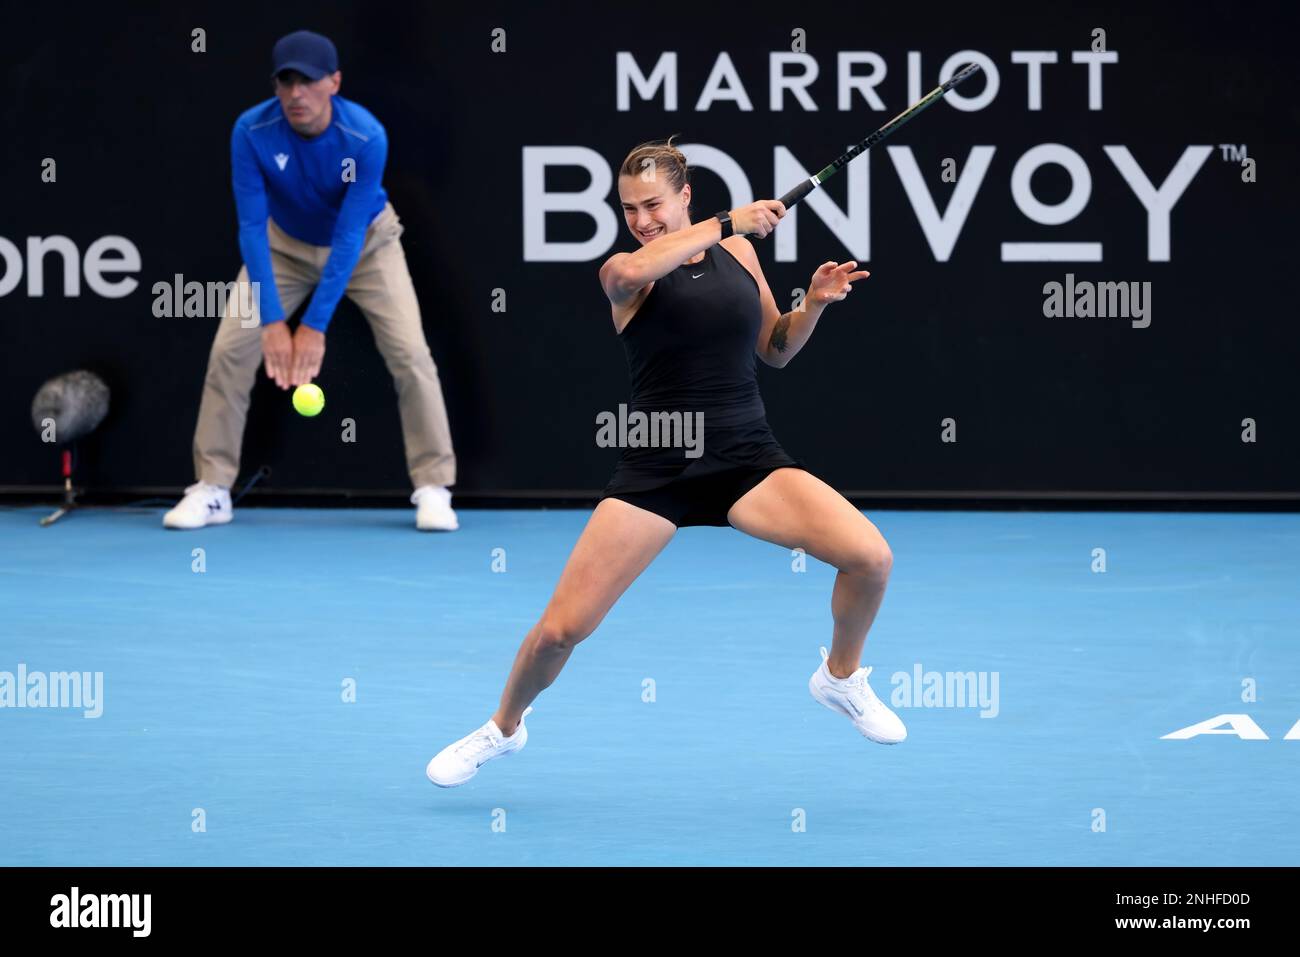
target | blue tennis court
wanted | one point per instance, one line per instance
(682, 731)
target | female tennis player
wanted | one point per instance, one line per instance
(693, 310)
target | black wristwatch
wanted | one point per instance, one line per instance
(724, 217)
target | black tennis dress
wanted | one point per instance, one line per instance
(691, 350)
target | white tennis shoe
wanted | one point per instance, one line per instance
(202, 505)
(433, 509)
(852, 696)
(458, 762)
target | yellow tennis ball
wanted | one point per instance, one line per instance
(308, 399)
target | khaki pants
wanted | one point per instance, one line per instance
(382, 289)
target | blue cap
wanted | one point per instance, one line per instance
(309, 53)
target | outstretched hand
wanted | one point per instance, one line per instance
(308, 354)
(832, 282)
(277, 349)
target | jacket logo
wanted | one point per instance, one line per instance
(281, 159)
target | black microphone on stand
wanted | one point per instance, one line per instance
(67, 408)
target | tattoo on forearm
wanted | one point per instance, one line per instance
(779, 333)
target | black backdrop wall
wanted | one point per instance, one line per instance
(948, 326)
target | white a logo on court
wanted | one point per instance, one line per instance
(281, 159)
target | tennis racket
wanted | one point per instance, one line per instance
(808, 185)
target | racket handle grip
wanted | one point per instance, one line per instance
(792, 197)
(798, 193)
